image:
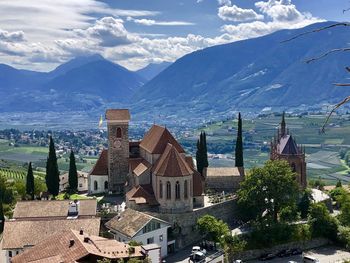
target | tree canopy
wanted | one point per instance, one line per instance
(213, 229)
(266, 191)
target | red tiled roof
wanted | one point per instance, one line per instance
(70, 246)
(118, 114)
(142, 194)
(101, 166)
(156, 140)
(172, 164)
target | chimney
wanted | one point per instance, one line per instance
(86, 240)
(71, 242)
(81, 232)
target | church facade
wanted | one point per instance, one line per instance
(284, 147)
(154, 173)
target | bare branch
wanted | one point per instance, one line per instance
(316, 30)
(342, 84)
(346, 100)
(327, 53)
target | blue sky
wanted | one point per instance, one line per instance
(41, 34)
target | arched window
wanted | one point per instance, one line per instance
(168, 190)
(177, 190)
(293, 167)
(106, 185)
(95, 185)
(185, 189)
(160, 189)
(119, 132)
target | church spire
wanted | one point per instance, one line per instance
(283, 126)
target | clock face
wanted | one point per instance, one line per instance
(117, 143)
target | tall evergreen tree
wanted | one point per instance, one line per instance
(30, 182)
(239, 144)
(52, 172)
(73, 174)
(205, 151)
(199, 157)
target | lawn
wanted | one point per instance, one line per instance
(73, 197)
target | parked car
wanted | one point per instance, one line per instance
(292, 261)
(310, 259)
(197, 256)
(267, 256)
(238, 261)
(198, 249)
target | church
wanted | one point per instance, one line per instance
(284, 147)
(154, 173)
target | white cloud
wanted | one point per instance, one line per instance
(237, 14)
(224, 2)
(17, 36)
(151, 22)
(280, 10)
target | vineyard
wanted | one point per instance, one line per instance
(17, 174)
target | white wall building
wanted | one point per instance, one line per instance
(82, 181)
(140, 227)
(98, 177)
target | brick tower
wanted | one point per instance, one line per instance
(284, 147)
(118, 148)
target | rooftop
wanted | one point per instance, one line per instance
(224, 171)
(156, 140)
(130, 222)
(72, 246)
(118, 115)
(20, 234)
(101, 166)
(52, 208)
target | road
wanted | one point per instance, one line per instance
(323, 254)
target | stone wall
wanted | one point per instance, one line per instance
(223, 183)
(185, 223)
(303, 245)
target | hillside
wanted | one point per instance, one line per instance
(255, 73)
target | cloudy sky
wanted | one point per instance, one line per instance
(41, 34)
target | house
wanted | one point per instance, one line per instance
(77, 246)
(82, 182)
(154, 173)
(140, 227)
(34, 221)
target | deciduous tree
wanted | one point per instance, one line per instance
(268, 190)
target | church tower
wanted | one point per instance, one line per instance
(118, 148)
(284, 147)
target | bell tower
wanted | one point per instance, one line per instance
(118, 148)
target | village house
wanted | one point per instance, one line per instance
(140, 227)
(77, 246)
(34, 221)
(82, 182)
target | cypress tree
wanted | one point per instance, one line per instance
(239, 144)
(52, 173)
(30, 182)
(73, 174)
(199, 156)
(205, 151)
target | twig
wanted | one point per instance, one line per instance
(316, 30)
(327, 53)
(342, 84)
(346, 100)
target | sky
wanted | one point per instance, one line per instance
(42, 34)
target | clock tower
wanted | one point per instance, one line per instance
(118, 148)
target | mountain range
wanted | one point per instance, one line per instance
(244, 75)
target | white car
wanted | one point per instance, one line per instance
(198, 249)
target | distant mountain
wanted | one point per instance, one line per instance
(152, 70)
(83, 83)
(254, 73)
